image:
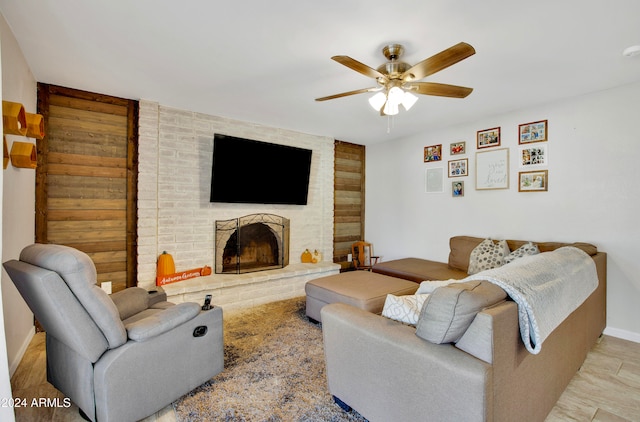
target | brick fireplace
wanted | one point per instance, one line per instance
(175, 214)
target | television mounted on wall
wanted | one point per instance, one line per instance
(255, 172)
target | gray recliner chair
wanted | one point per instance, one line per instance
(119, 357)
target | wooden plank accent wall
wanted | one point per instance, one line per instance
(86, 179)
(348, 211)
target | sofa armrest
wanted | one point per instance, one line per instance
(385, 372)
(157, 295)
(162, 321)
(130, 301)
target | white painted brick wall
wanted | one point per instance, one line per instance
(174, 212)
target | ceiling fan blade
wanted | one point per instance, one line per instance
(345, 94)
(440, 90)
(358, 67)
(438, 62)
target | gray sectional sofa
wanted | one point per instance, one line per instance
(385, 371)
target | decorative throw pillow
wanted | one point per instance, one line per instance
(428, 286)
(487, 255)
(449, 310)
(404, 308)
(527, 249)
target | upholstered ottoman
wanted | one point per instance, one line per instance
(362, 289)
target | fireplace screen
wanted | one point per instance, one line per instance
(254, 242)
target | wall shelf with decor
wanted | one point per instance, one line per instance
(16, 121)
(35, 126)
(23, 155)
(14, 118)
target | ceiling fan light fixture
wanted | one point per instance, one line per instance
(390, 109)
(408, 100)
(395, 78)
(378, 100)
(395, 96)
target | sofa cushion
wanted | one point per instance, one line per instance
(404, 308)
(449, 310)
(488, 255)
(460, 248)
(417, 269)
(527, 249)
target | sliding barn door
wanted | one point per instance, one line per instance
(86, 179)
(348, 208)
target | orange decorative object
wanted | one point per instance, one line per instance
(14, 118)
(23, 155)
(35, 126)
(206, 270)
(181, 276)
(166, 265)
(306, 256)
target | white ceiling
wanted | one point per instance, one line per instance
(266, 61)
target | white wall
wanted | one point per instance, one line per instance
(18, 207)
(594, 176)
(6, 413)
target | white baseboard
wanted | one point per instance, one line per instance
(23, 349)
(623, 334)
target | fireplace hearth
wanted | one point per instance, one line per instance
(255, 242)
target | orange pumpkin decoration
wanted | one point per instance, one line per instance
(206, 270)
(166, 265)
(306, 256)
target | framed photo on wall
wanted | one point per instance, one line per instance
(492, 169)
(533, 155)
(532, 132)
(458, 168)
(457, 148)
(533, 181)
(457, 188)
(488, 138)
(433, 153)
(434, 180)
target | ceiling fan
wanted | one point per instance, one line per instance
(397, 80)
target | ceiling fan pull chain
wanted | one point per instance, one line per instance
(389, 123)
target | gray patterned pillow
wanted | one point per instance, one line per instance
(527, 249)
(488, 255)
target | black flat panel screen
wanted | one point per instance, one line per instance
(247, 171)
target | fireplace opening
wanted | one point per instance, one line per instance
(254, 242)
(251, 247)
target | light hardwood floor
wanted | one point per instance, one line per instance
(606, 389)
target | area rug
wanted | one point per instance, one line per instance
(274, 371)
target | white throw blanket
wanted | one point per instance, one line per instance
(547, 287)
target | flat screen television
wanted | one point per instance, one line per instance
(248, 171)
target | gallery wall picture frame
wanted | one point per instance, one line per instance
(434, 180)
(457, 148)
(459, 168)
(533, 155)
(433, 153)
(457, 188)
(488, 138)
(492, 169)
(533, 181)
(533, 132)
